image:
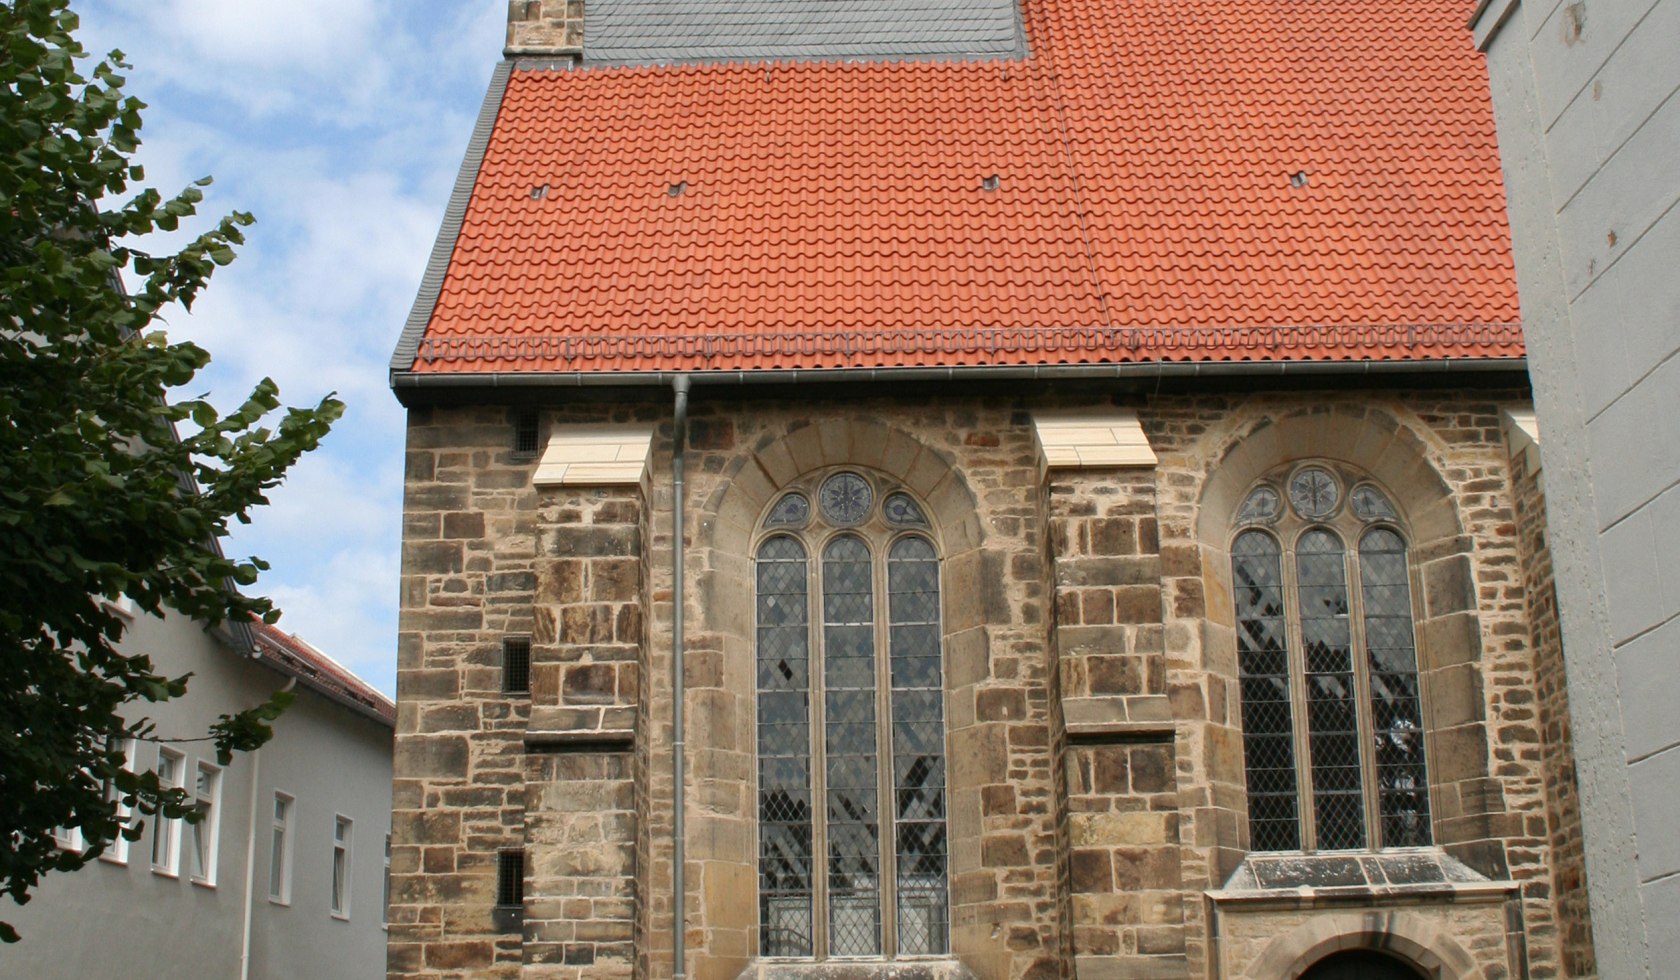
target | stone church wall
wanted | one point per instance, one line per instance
(1096, 789)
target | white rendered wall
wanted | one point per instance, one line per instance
(126, 920)
(1587, 97)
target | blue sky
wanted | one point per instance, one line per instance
(340, 124)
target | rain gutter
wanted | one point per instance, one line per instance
(411, 381)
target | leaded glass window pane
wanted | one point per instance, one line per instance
(1263, 666)
(1369, 504)
(1332, 704)
(854, 855)
(1396, 712)
(1261, 507)
(849, 748)
(846, 499)
(1314, 493)
(1329, 685)
(918, 737)
(793, 510)
(784, 749)
(900, 509)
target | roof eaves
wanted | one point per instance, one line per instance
(431, 284)
(410, 385)
(289, 662)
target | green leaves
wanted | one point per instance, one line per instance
(100, 496)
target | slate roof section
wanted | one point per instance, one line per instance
(314, 669)
(1162, 180)
(670, 31)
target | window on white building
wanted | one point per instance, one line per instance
(280, 853)
(68, 838)
(166, 834)
(207, 801)
(117, 853)
(341, 867)
(385, 917)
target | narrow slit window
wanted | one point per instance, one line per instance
(525, 435)
(516, 665)
(510, 878)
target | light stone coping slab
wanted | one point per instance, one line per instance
(1136, 714)
(594, 456)
(1522, 434)
(1090, 440)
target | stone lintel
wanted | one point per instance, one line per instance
(594, 456)
(1087, 439)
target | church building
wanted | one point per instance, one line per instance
(985, 489)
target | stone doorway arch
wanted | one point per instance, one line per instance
(1361, 964)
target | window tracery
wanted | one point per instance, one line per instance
(1327, 663)
(864, 874)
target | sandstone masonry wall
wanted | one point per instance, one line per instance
(1093, 728)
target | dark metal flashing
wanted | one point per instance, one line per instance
(645, 32)
(408, 345)
(413, 388)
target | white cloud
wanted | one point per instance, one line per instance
(349, 613)
(340, 124)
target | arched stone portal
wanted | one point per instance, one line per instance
(1361, 964)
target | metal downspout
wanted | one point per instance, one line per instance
(679, 446)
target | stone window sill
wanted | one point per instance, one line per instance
(1296, 880)
(944, 969)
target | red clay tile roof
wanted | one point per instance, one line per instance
(1161, 180)
(321, 672)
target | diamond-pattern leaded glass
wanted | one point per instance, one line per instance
(849, 746)
(918, 741)
(869, 679)
(1311, 669)
(1396, 713)
(1332, 702)
(784, 748)
(1263, 662)
(845, 499)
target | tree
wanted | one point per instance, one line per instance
(100, 497)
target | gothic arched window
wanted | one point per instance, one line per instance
(850, 713)
(1331, 713)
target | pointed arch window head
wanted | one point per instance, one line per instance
(1331, 711)
(851, 729)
